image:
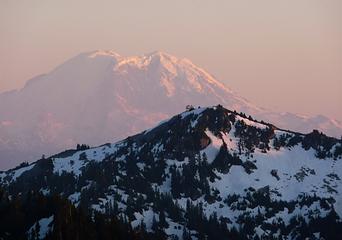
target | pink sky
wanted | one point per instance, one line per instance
(285, 55)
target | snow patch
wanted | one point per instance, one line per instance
(45, 227)
(213, 148)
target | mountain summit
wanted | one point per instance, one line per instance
(101, 96)
(207, 173)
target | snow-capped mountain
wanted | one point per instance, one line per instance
(207, 172)
(101, 97)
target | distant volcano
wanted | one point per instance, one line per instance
(101, 96)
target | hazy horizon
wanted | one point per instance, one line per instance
(286, 56)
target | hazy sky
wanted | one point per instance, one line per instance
(285, 55)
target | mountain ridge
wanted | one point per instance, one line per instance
(97, 96)
(203, 165)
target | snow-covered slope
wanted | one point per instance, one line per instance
(101, 96)
(201, 169)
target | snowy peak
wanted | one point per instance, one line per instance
(160, 62)
(155, 57)
(107, 53)
(111, 96)
(161, 56)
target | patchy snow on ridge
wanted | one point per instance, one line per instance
(16, 173)
(251, 123)
(75, 162)
(272, 177)
(196, 111)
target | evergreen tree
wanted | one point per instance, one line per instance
(155, 226)
(162, 220)
(186, 234)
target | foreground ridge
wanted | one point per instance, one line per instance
(205, 173)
